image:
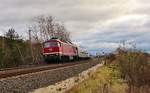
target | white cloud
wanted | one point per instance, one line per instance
(128, 20)
(1, 34)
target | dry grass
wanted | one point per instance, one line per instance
(105, 80)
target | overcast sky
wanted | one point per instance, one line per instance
(94, 24)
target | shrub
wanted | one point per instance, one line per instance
(135, 68)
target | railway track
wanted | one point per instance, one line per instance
(20, 67)
(10, 72)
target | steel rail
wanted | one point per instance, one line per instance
(21, 71)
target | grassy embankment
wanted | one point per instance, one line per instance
(128, 72)
(104, 80)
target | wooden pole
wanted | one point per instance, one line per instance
(30, 43)
(3, 50)
(20, 54)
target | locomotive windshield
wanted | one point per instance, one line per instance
(49, 44)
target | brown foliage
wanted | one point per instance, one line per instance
(135, 69)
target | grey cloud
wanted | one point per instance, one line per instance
(85, 19)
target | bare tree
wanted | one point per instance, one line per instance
(46, 27)
(62, 33)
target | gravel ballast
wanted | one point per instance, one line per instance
(66, 85)
(30, 82)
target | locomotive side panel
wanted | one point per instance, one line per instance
(69, 51)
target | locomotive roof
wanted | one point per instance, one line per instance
(67, 42)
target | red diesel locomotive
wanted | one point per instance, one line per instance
(58, 50)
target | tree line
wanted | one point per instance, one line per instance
(16, 51)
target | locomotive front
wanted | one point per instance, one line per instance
(51, 50)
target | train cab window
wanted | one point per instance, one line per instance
(59, 44)
(46, 44)
(50, 44)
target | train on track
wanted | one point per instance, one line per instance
(56, 50)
